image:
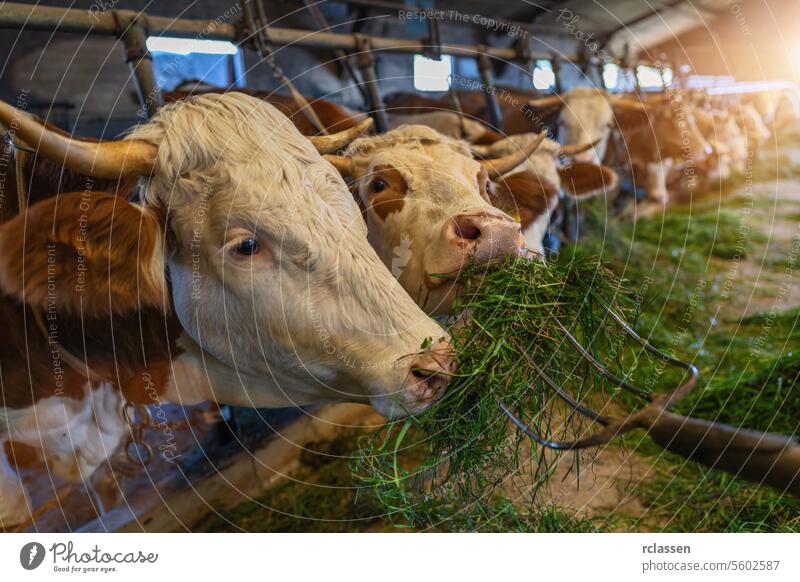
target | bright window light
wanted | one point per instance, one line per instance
(432, 75)
(187, 46)
(544, 78)
(611, 75)
(649, 77)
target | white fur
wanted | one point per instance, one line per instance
(75, 436)
(586, 117)
(447, 123)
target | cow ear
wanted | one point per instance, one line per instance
(584, 180)
(90, 253)
(524, 195)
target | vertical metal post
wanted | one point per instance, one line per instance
(341, 54)
(133, 34)
(366, 64)
(487, 77)
(555, 62)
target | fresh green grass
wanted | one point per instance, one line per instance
(749, 367)
(464, 446)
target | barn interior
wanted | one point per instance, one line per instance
(712, 269)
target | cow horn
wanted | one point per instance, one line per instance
(500, 166)
(574, 150)
(330, 144)
(102, 159)
(549, 101)
(344, 164)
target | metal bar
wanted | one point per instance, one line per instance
(366, 64)
(555, 62)
(50, 18)
(258, 29)
(341, 55)
(492, 105)
(133, 36)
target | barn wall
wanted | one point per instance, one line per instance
(751, 41)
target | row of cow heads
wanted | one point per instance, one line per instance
(248, 236)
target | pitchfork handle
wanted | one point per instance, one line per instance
(759, 457)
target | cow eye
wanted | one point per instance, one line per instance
(378, 185)
(248, 246)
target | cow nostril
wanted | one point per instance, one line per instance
(468, 231)
(422, 374)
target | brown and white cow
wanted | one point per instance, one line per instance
(429, 208)
(661, 146)
(240, 274)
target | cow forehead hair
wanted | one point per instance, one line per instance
(212, 138)
(416, 137)
(586, 93)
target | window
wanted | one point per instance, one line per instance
(653, 78)
(615, 78)
(432, 75)
(544, 78)
(215, 62)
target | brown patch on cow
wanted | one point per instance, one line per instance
(94, 252)
(583, 179)
(148, 383)
(21, 456)
(489, 137)
(629, 119)
(392, 197)
(525, 194)
(45, 178)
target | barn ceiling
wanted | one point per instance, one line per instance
(633, 24)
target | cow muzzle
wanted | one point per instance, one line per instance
(481, 236)
(429, 376)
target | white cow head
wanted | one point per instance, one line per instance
(428, 210)
(251, 238)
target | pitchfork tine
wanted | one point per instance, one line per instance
(565, 396)
(600, 367)
(694, 373)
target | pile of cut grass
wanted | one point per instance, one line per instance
(449, 461)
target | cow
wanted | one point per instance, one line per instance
(238, 272)
(660, 146)
(589, 115)
(755, 130)
(429, 208)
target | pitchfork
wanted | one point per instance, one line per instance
(756, 456)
